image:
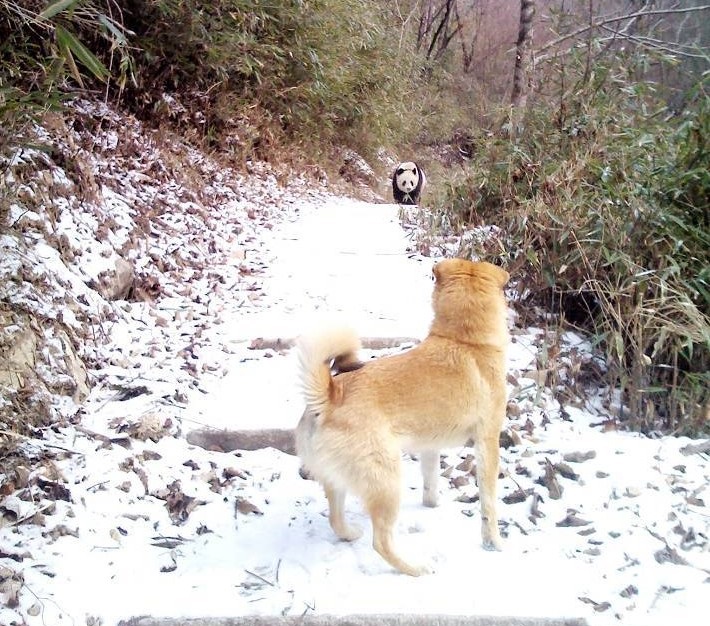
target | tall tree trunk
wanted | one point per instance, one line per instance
(523, 56)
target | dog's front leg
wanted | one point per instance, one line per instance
(430, 473)
(487, 463)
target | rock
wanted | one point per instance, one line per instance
(229, 440)
(54, 365)
(20, 353)
(75, 368)
(356, 170)
(116, 284)
(632, 492)
(579, 457)
(696, 448)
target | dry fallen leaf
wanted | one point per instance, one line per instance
(669, 555)
(517, 496)
(550, 481)
(53, 490)
(572, 520)
(460, 481)
(629, 591)
(179, 504)
(598, 606)
(232, 472)
(243, 506)
(535, 512)
(467, 463)
(566, 471)
(10, 585)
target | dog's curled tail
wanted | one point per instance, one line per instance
(316, 353)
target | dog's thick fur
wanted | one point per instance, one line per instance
(449, 388)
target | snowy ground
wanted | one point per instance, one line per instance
(125, 518)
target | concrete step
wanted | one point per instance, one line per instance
(357, 620)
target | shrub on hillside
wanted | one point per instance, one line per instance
(605, 206)
(49, 49)
(272, 70)
(249, 75)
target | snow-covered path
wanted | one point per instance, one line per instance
(340, 260)
(347, 258)
(152, 525)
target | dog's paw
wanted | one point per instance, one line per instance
(493, 543)
(349, 533)
(419, 570)
(430, 499)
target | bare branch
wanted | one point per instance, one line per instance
(612, 20)
(655, 44)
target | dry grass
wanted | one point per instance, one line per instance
(612, 234)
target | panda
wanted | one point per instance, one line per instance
(408, 181)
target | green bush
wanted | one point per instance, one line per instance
(251, 74)
(605, 210)
(310, 72)
(48, 50)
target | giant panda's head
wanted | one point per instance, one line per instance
(407, 177)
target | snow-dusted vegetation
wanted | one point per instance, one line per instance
(178, 185)
(109, 511)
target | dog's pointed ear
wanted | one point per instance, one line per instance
(436, 273)
(503, 276)
(498, 274)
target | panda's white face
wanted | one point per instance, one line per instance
(408, 177)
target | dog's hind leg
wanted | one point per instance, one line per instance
(336, 516)
(383, 509)
(381, 500)
(430, 473)
(487, 463)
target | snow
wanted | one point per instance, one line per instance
(184, 360)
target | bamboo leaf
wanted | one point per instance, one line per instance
(66, 54)
(110, 25)
(82, 53)
(57, 8)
